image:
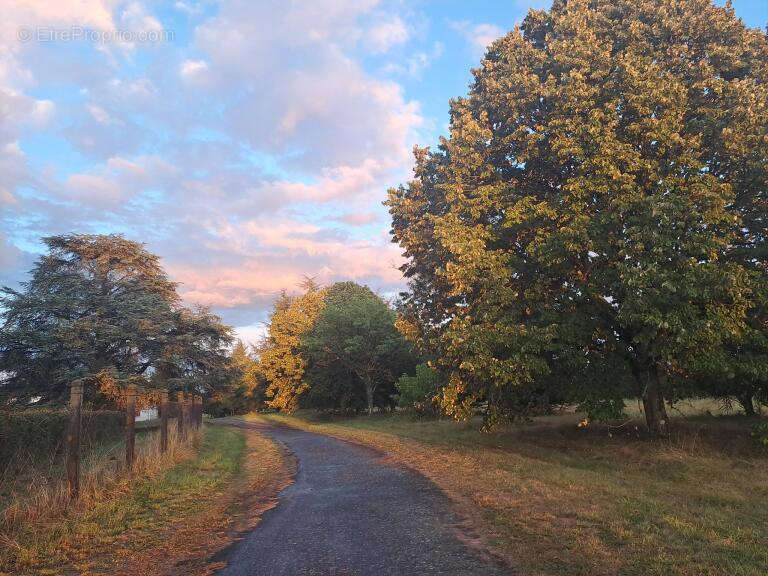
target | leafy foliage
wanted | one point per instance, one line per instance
(102, 308)
(596, 221)
(354, 350)
(38, 434)
(418, 392)
(760, 433)
(281, 362)
(245, 388)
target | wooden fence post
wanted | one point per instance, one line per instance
(180, 418)
(73, 437)
(164, 421)
(130, 424)
(190, 409)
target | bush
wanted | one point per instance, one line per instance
(417, 392)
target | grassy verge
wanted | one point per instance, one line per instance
(171, 522)
(558, 500)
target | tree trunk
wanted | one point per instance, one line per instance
(653, 404)
(369, 396)
(746, 402)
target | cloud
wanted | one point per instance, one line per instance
(321, 108)
(359, 218)
(416, 63)
(247, 159)
(478, 36)
(192, 68)
(386, 34)
(99, 114)
(277, 256)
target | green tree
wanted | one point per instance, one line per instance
(101, 308)
(281, 361)
(355, 340)
(94, 303)
(596, 218)
(198, 350)
(418, 392)
(245, 385)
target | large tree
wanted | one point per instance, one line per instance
(280, 358)
(101, 308)
(596, 219)
(354, 350)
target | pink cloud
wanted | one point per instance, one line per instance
(277, 255)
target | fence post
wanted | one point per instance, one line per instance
(164, 421)
(73, 437)
(190, 404)
(180, 418)
(130, 424)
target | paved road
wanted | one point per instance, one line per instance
(351, 512)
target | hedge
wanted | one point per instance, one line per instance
(40, 434)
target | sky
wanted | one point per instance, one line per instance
(247, 143)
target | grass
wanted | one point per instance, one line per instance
(554, 499)
(158, 521)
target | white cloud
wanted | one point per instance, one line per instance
(384, 35)
(192, 68)
(99, 114)
(415, 64)
(478, 36)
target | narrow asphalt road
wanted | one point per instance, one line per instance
(352, 512)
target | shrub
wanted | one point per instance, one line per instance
(417, 392)
(40, 434)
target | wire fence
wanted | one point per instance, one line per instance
(45, 450)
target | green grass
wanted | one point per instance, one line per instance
(179, 492)
(555, 499)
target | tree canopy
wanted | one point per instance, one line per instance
(243, 390)
(334, 348)
(354, 350)
(594, 225)
(280, 359)
(102, 306)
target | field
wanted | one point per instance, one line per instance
(163, 519)
(555, 499)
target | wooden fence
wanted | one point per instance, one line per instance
(187, 410)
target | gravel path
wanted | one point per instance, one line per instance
(352, 512)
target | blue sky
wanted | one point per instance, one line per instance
(247, 143)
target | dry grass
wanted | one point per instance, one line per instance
(33, 524)
(555, 499)
(170, 516)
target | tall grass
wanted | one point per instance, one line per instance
(40, 496)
